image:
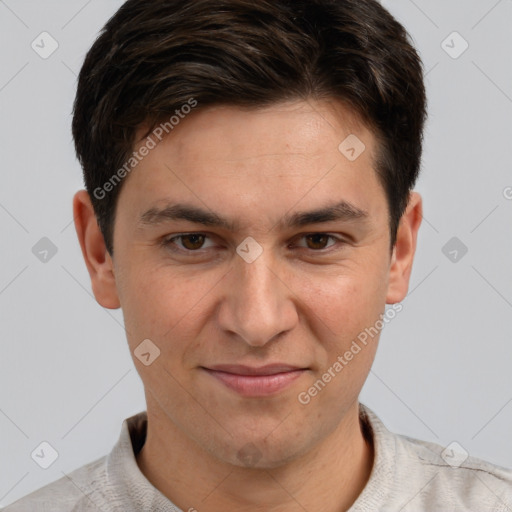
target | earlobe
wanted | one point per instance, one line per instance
(404, 249)
(97, 259)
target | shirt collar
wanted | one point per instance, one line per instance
(133, 490)
(136, 492)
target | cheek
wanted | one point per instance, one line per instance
(348, 307)
(345, 301)
(159, 303)
(174, 307)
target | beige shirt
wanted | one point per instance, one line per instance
(408, 475)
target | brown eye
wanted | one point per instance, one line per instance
(192, 242)
(188, 242)
(318, 240)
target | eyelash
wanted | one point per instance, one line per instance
(169, 242)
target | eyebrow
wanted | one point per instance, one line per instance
(341, 211)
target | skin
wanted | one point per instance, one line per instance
(301, 302)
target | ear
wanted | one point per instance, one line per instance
(97, 259)
(404, 249)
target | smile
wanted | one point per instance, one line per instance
(256, 382)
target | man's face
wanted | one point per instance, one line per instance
(299, 304)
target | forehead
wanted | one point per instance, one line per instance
(266, 158)
(310, 127)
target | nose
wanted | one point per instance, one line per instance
(258, 305)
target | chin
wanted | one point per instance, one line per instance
(261, 452)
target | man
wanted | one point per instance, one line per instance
(249, 170)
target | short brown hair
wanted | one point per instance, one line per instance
(152, 56)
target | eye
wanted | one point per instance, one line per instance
(318, 241)
(195, 242)
(190, 242)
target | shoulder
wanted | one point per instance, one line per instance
(416, 475)
(77, 491)
(108, 483)
(450, 473)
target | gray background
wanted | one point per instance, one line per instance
(442, 371)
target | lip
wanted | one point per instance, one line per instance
(256, 381)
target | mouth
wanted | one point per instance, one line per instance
(256, 381)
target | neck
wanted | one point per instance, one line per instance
(333, 474)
